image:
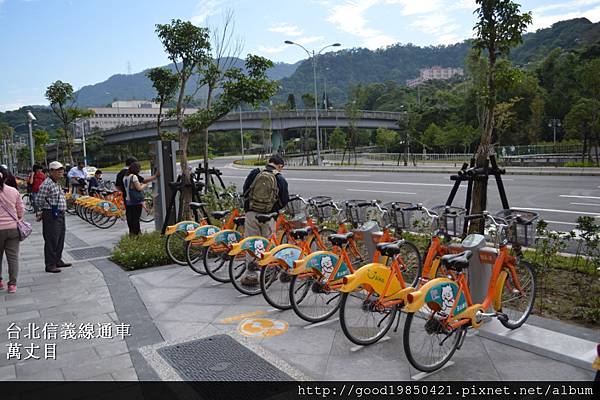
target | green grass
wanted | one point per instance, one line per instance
(579, 164)
(143, 251)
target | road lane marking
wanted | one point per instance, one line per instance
(586, 204)
(560, 211)
(580, 197)
(378, 191)
(353, 181)
(360, 176)
(562, 223)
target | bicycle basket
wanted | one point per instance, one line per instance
(401, 218)
(451, 219)
(521, 226)
(295, 208)
(323, 206)
(356, 211)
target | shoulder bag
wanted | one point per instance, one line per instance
(23, 227)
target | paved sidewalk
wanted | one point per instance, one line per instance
(172, 303)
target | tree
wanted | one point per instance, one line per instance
(352, 113)
(500, 26)
(291, 101)
(337, 139)
(62, 101)
(580, 123)
(386, 138)
(234, 86)
(591, 82)
(165, 83)
(41, 139)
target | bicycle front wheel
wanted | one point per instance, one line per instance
(363, 321)
(428, 342)
(27, 203)
(517, 303)
(147, 210)
(275, 286)
(409, 260)
(311, 300)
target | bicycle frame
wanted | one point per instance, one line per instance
(316, 262)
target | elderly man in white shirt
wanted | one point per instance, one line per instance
(78, 175)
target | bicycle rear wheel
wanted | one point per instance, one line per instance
(216, 264)
(275, 286)
(428, 344)
(175, 247)
(517, 304)
(362, 321)
(311, 300)
(410, 263)
(193, 256)
(237, 270)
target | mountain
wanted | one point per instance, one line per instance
(342, 70)
(139, 87)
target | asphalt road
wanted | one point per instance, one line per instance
(559, 200)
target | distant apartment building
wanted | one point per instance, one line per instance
(122, 113)
(435, 72)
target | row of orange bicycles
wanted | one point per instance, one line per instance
(357, 259)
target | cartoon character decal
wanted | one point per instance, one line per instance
(289, 255)
(227, 237)
(259, 247)
(325, 263)
(444, 294)
(447, 299)
(231, 238)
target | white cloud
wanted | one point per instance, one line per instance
(545, 21)
(349, 17)
(415, 7)
(271, 50)
(286, 29)
(204, 9)
(568, 5)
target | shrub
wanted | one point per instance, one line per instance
(136, 252)
(578, 164)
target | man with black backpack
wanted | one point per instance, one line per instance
(265, 191)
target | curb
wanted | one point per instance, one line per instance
(509, 171)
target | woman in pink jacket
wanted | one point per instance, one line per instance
(11, 206)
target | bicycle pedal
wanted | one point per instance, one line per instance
(502, 317)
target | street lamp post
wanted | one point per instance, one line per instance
(31, 118)
(314, 57)
(241, 134)
(553, 123)
(270, 127)
(82, 139)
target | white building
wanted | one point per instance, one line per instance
(435, 72)
(122, 113)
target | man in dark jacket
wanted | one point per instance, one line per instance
(251, 225)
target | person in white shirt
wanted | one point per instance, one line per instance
(77, 176)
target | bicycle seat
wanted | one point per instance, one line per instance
(301, 233)
(457, 261)
(339, 239)
(194, 205)
(262, 218)
(239, 221)
(388, 249)
(220, 214)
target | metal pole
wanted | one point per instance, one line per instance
(316, 109)
(31, 144)
(241, 133)
(270, 132)
(83, 140)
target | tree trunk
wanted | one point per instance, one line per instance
(186, 193)
(479, 199)
(160, 107)
(205, 163)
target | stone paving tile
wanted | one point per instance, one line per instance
(98, 367)
(127, 374)
(112, 349)
(190, 313)
(75, 358)
(175, 330)
(510, 364)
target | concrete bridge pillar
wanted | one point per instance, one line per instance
(276, 140)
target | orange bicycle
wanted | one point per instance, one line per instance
(441, 311)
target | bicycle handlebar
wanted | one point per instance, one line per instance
(487, 216)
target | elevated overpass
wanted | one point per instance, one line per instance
(277, 121)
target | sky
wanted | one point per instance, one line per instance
(84, 42)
